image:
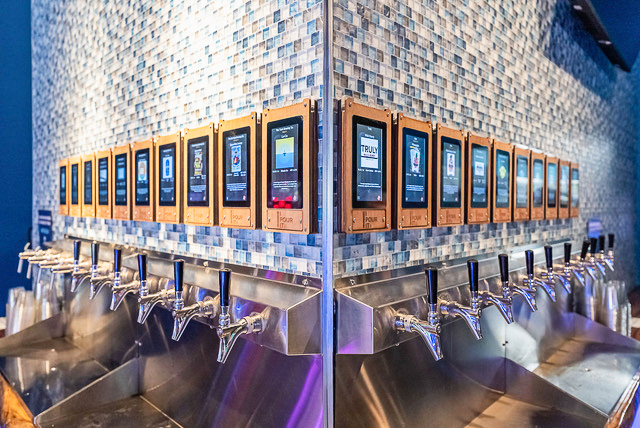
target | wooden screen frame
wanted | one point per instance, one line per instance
(89, 210)
(519, 213)
(75, 210)
(501, 215)
(197, 215)
(444, 216)
(64, 208)
(537, 213)
(564, 212)
(242, 217)
(168, 214)
(144, 212)
(121, 212)
(477, 215)
(302, 220)
(551, 213)
(104, 211)
(574, 212)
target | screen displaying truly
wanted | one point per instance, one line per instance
(88, 182)
(103, 181)
(198, 172)
(575, 181)
(236, 167)
(142, 177)
(167, 179)
(74, 184)
(414, 177)
(564, 186)
(63, 185)
(479, 176)
(450, 174)
(503, 174)
(537, 181)
(369, 144)
(284, 151)
(120, 179)
(522, 181)
(552, 183)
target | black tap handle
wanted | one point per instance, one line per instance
(548, 256)
(567, 252)
(432, 285)
(601, 243)
(225, 285)
(594, 245)
(528, 255)
(95, 250)
(503, 261)
(142, 266)
(178, 275)
(472, 267)
(117, 259)
(611, 236)
(77, 243)
(585, 248)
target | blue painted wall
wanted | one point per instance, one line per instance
(15, 140)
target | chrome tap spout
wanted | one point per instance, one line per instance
(230, 333)
(502, 303)
(429, 331)
(206, 308)
(120, 291)
(528, 294)
(548, 287)
(96, 283)
(470, 316)
(148, 302)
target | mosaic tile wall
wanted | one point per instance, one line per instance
(521, 71)
(113, 72)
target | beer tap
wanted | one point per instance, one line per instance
(569, 269)
(583, 263)
(99, 276)
(532, 282)
(118, 289)
(470, 315)
(206, 308)
(39, 258)
(549, 276)
(146, 301)
(593, 260)
(228, 332)
(610, 255)
(429, 330)
(528, 294)
(25, 254)
(487, 298)
(604, 257)
(81, 271)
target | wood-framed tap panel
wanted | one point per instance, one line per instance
(521, 184)
(574, 190)
(88, 174)
(501, 182)
(551, 187)
(121, 182)
(289, 168)
(449, 150)
(142, 172)
(75, 186)
(168, 177)
(478, 183)
(199, 190)
(537, 185)
(412, 151)
(104, 183)
(239, 166)
(63, 187)
(564, 188)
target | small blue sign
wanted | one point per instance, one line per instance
(594, 227)
(44, 226)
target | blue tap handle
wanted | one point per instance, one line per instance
(528, 255)
(178, 275)
(432, 285)
(225, 285)
(142, 266)
(76, 249)
(472, 267)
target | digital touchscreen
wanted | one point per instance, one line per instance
(552, 183)
(103, 181)
(415, 161)
(538, 183)
(120, 179)
(564, 186)
(88, 182)
(284, 177)
(503, 174)
(575, 196)
(63, 185)
(74, 184)
(522, 181)
(142, 177)
(236, 167)
(369, 184)
(450, 175)
(167, 181)
(479, 176)
(198, 172)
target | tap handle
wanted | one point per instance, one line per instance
(585, 248)
(611, 236)
(178, 275)
(472, 267)
(594, 244)
(548, 256)
(142, 266)
(225, 285)
(601, 243)
(117, 260)
(95, 250)
(76, 249)
(567, 252)
(528, 255)
(432, 285)
(503, 261)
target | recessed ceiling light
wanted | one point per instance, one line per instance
(577, 7)
(604, 42)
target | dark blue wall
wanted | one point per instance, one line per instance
(15, 140)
